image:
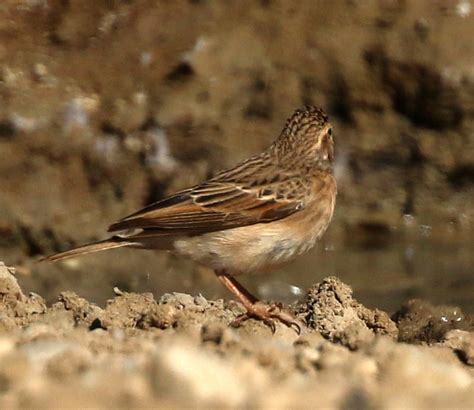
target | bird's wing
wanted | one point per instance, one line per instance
(220, 204)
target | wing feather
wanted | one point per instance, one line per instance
(219, 204)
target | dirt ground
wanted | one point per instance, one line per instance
(179, 351)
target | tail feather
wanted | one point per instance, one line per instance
(112, 243)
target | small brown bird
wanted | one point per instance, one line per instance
(258, 215)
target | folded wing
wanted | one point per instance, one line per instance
(209, 207)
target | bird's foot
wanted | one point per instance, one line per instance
(268, 313)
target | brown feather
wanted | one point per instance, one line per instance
(112, 243)
(219, 204)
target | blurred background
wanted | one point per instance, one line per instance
(108, 105)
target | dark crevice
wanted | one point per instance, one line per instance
(417, 91)
(382, 160)
(39, 242)
(93, 173)
(7, 130)
(340, 100)
(149, 123)
(462, 176)
(416, 156)
(98, 176)
(414, 163)
(118, 191)
(355, 168)
(260, 105)
(374, 235)
(156, 191)
(108, 128)
(409, 205)
(33, 248)
(56, 40)
(96, 324)
(182, 72)
(258, 111)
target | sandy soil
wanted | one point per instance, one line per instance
(179, 351)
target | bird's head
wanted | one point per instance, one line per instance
(307, 138)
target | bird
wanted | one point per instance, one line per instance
(256, 216)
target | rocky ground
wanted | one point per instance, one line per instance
(179, 351)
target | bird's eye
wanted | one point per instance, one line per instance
(330, 132)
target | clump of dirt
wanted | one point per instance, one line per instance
(179, 351)
(330, 309)
(419, 321)
(17, 309)
(81, 310)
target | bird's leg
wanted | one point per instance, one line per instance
(256, 309)
(245, 297)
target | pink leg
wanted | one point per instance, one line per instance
(256, 309)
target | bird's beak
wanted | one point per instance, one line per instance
(330, 148)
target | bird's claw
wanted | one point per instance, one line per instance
(268, 314)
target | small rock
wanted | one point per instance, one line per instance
(127, 310)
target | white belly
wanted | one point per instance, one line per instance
(247, 249)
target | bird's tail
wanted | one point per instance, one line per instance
(111, 243)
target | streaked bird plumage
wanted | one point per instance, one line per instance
(263, 212)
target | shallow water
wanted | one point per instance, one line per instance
(438, 270)
(384, 271)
